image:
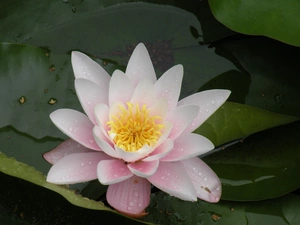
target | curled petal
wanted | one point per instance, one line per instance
(170, 177)
(76, 125)
(181, 117)
(130, 197)
(103, 143)
(143, 169)
(206, 182)
(85, 67)
(160, 151)
(120, 88)
(166, 132)
(169, 85)
(112, 171)
(140, 66)
(102, 115)
(65, 148)
(89, 95)
(208, 102)
(134, 156)
(76, 168)
(187, 146)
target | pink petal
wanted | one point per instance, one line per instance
(144, 93)
(101, 112)
(159, 108)
(134, 156)
(85, 67)
(208, 102)
(143, 169)
(76, 168)
(120, 88)
(169, 85)
(171, 178)
(76, 125)
(187, 146)
(206, 182)
(140, 66)
(160, 151)
(131, 196)
(89, 95)
(103, 143)
(115, 110)
(165, 133)
(181, 117)
(65, 148)
(113, 171)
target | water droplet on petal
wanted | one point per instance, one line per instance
(131, 203)
(200, 174)
(205, 179)
(70, 129)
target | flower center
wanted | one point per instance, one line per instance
(134, 127)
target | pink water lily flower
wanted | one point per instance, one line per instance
(135, 133)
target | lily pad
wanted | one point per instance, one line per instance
(168, 210)
(171, 39)
(36, 205)
(274, 19)
(272, 67)
(34, 83)
(264, 165)
(233, 121)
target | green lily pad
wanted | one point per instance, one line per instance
(170, 42)
(272, 67)
(274, 19)
(264, 165)
(34, 83)
(168, 210)
(233, 121)
(34, 203)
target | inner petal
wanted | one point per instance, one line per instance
(131, 127)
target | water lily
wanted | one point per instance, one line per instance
(135, 133)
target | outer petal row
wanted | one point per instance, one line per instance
(112, 171)
(63, 149)
(76, 168)
(187, 146)
(85, 67)
(208, 102)
(76, 125)
(181, 117)
(130, 197)
(172, 178)
(206, 182)
(89, 95)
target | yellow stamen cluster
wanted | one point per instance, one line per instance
(134, 127)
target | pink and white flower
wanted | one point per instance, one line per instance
(135, 133)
